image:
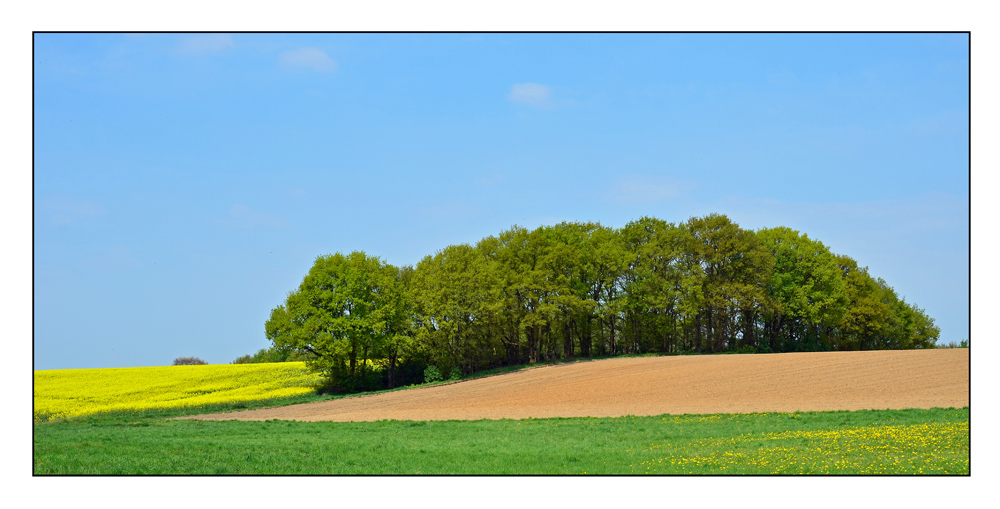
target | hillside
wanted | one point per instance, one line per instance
(668, 385)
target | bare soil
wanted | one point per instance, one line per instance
(667, 385)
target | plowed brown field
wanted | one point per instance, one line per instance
(668, 385)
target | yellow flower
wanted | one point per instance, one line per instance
(77, 392)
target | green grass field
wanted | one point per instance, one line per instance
(904, 442)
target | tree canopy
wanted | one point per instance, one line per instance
(349, 311)
(584, 290)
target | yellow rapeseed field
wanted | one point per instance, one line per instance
(77, 392)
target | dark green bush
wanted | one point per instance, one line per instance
(962, 344)
(362, 381)
(243, 359)
(431, 374)
(274, 354)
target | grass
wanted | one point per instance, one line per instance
(95, 427)
(902, 442)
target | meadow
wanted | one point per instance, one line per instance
(120, 422)
(881, 442)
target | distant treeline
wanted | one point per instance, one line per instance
(586, 290)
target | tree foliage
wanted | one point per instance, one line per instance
(584, 290)
(188, 361)
(349, 312)
(275, 354)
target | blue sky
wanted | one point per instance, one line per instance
(184, 183)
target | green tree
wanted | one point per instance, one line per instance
(565, 264)
(807, 288)
(865, 315)
(576, 263)
(274, 354)
(585, 289)
(348, 311)
(609, 261)
(525, 285)
(924, 333)
(451, 293)
(906, 325)
(655, 283)
(398, 320)
(876, 318)
(735, 269)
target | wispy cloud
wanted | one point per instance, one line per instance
(531, 94)
(643, 189)
(945, 123)
(114, 258)
(243, 217)
(309, 58)
(450, 210)
(295, 192)
(205, 43)
(66, 210)
(489, 180)
(862, 225)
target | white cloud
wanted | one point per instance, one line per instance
(114, 258)
(450, 209)
(241, 216)
(490, 180)
(295, 192)
(643, 189)
(206, 43)
(532, 94)
(860, 225)
(946, 123)
(311, 58)
(65, 210)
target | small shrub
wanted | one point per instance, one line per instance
(431, 374)
(962, 344)
(455, 374)
(275, 354)
(744, 349)
(188, 361)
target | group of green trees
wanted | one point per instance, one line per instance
(586, 290)
(275, 354)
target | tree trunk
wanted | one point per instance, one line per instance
(636, 346)
(611, 340)
(568, 340)
(392, 369)
(697, 332)
(748, 332)
(530, 333)
(711, 329)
